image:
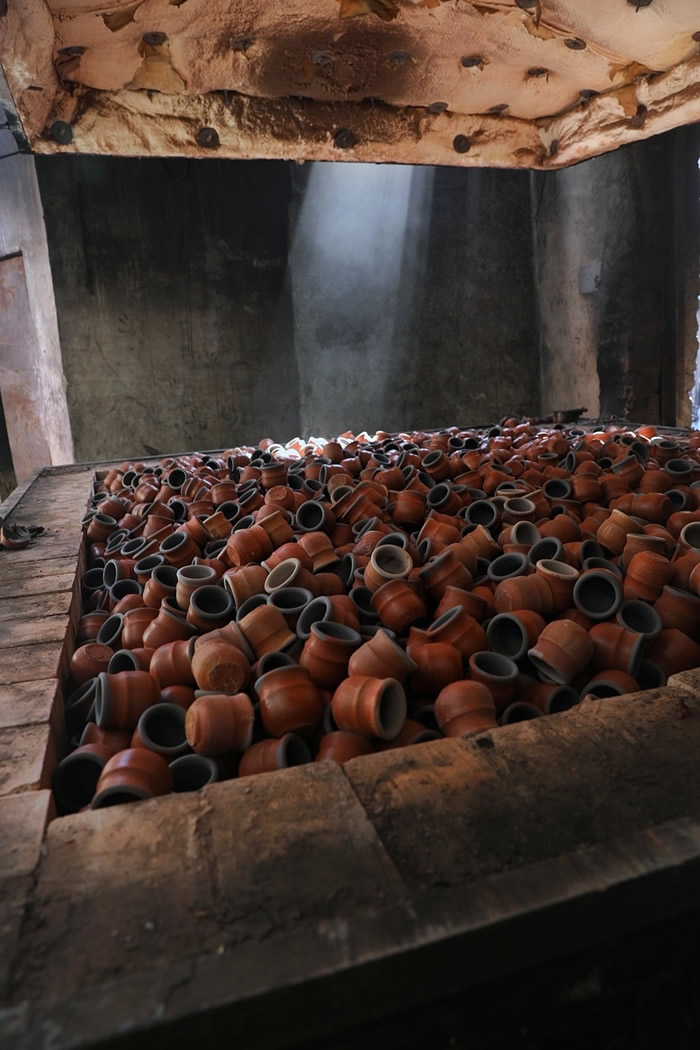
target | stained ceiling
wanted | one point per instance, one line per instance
(518, 83)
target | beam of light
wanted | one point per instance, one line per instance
(356, 255)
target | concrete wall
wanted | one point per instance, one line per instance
(35, 426)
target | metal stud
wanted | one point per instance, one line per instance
(344, 139)
(500, 108)
(576, 43)
(469, 61)
(399, 58)
(61, 131)
(437, 107)
(154, 39)
(208, 138)
(461, 144)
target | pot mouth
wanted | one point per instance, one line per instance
(549, 548)
(481, 512)
(391, 560)
(250, 604)
(446, 618)
(558, 568)
(75, 781)
(116, 796)
(318, 610)
(310, 516)
(520, 711)
(603, 688)
(110, 631)
(165, 575)
(292, 751)
(192, 772)
(495, 665)
(545, 670)
(507, 636)
(290, 600)
(393, 539)
(650, 675)
(329, 630)
(391, 709)
(597, 595)
(525, 532)
(507, 566)
(146, 565)
(193, 573)
(520, 505)
(123, 660)
(282, 574)
(563, 698)
(162, 729)
(362, 597)
(212, 600)
(275, 661)
(640, 618)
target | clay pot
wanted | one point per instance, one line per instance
(291, 602)
(679, 609)
(341, 746)
(219, 723)
(508, 567)
(266, 630)
(162, 584)
(114, 740)
(458, 628)
(616, 647)
(210, 607)
(563, 527)
(520, 711)
(524, 592)
(498, 673)
(130, 776)
(291, 573)
(381, 657)
(647, 574)
(245, 582)
(121, 699)
(437, 665)
(161, 728)
(613, 532)
(409, 508)
(598, 594)
(179, 549)
(289, 701)
(547, 696)
(689, 536)
(548, 549)
(684, 569)
(78, 706)
(442, 572)
(248, 545)
(182, 695)
(412, 733)
(171, 664)
(674, 651)
(652, 506)
(134, 625)
(88, 661)
(465, 707)
(640, 541)
(220, 666)
(269, 755)
(192, 772)
(473, 603)
(560, 578)
(561, 652)
(89, 625)
(167, 627)
(76, 777)
(318, 547)
(327, 652)
(640, 618)
(288, 550)
(398, 604)
(512, 634)
(189, 579)
(610, 682)
(371, 707)
(387, 563)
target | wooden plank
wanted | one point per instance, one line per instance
(27, 758)
(29, 663)
(37, 606)
(14, 573)
(36, 588)
(32, 703)
(46, 548)
(17, 495)
(33, 630)
(23, 820)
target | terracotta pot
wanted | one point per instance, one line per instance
(193, 772)
(652, 506)
(327, 652)
(398, 604)
(182, 695)
(412, 733)
(189, 579)
(437, 665)
(179, 549)
(616, 647)
(161, 728)
(167, 627)
(219, 723)
(498, 673)
(134, 626)
(694, 579)
(371, 707)
(547, 696)
(341, 746)
(520, 711)
(598, 594)
(381, 657)
(245, 582)
(647, 574)
(130, 776)
(458, 628)
(76, 777)
(444, 571)
(248, 545)
(679, 609)
(291, 573)
(640, 541)
(548, 549)
(343, 610)
(89, 625)
(512, 634)
(563, 527)
(171, 664)
(387, 563)
(210, 607)
(524, 592)
(318, 547)
(88, 661)
(266, 630)
(220, 666)
(162, 584)
(100, 527)
(289, 701)
(613, 532)
(560, 577)
(121, 699)
(473, 603)
(409, 508)
(689, 536)
(508, 567)
(78, 705)
(562, 651)
(640, 618)
(114, 740)
(269, 755)
(465, 707)
(674, 651)
(291, 602)
(610, 682)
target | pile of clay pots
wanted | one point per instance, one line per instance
(273, 606)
